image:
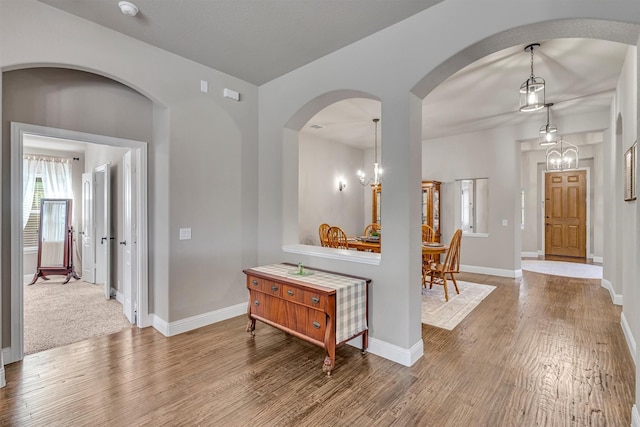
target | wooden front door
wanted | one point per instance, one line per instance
(566, 213)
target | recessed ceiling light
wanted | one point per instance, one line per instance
(128, 8)
(316, 126)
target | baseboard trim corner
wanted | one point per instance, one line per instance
(628, 336)
(615, 298)
(403, 356)
(198, 321)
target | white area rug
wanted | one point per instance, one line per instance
(442, 314)
(566, 269)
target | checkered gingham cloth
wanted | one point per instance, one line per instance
(351, 297)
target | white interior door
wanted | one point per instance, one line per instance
(88, 232)
(103, 227)
(128, 244)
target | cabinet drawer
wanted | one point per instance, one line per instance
(267, 306)
(263, 285)
(301, 296)
(315, 325)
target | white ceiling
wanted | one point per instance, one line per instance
(258, 40)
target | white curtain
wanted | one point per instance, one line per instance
(56, 180)
(29, 170)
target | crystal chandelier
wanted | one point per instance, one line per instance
(377, 170)
(532, 90)
(548, 132)
(561, 156)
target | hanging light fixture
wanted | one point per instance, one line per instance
(532, 90)
(377, 170)
(548, 132)
(561, 156)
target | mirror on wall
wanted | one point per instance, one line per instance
(473, 205)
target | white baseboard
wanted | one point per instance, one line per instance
(27, 278)
(3, 381)
(491, 271)
(403, 356)
(528, 254)
(616, 298)
(635, 417)
(631, 342)
(598, 259)
(6, 356)
(195, 322)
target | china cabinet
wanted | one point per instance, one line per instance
(376, 191)
(431, 206)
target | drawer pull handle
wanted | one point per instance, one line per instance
(290, 292)
(256, 302)
(315, 300)
(316, 325)
(255, 283)
(274, 288)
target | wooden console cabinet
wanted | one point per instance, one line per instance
(308, 307)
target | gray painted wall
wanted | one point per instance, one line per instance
(257, 186)
(202, 149)
(66, 99)
(321, 164)
(406, 70)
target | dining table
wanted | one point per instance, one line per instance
(373, 245)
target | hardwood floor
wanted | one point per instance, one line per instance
(543, 350)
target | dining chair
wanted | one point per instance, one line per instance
(370, 229)
(323, 231)
(337, 238)
(438, 271)
(428, 235)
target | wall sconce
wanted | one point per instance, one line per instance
(342, 184)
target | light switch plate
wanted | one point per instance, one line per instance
(505, 223)
(185, 234)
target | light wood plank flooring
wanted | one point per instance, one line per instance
(543, 350)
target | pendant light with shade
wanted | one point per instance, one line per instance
(549, 131)
(532, 90)
(377, 170)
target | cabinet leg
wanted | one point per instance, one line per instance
(251, 327)
(328, 365)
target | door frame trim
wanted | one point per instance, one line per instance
(18, 130)
(543, 190)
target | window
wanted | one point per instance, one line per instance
(473, 205)
(30, 231)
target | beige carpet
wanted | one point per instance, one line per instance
(57, 314)
(442, 314)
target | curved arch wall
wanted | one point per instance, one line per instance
(400, 65)
(202, 157)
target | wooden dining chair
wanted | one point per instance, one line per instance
(438, 271)
(323, 234)
(338, 238)
(429, 236)
(370, 229)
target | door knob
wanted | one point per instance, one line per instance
(124, 243)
